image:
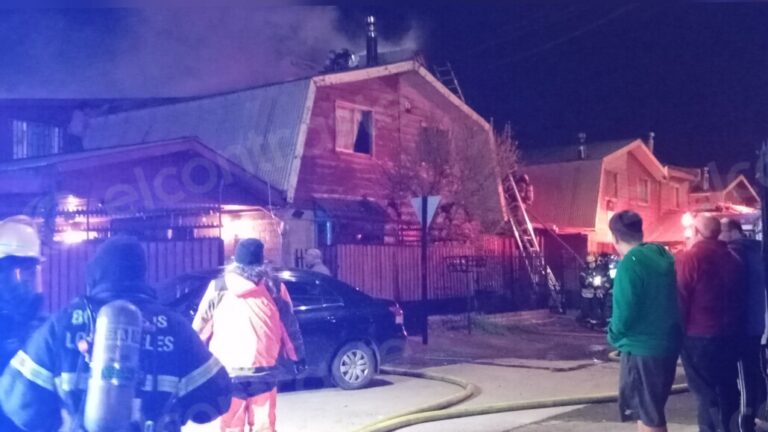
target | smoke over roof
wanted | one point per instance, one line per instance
(175, 52)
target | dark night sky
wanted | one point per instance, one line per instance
(695, 74)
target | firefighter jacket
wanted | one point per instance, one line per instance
(19, 317)
(587, 279)
(181, 380)
(249, 323)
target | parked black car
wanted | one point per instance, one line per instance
(347, 333)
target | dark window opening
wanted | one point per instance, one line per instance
(364, 138)
(31, 139)
(354, 129)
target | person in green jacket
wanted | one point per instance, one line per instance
(645, 326)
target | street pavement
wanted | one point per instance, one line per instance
(334, 410)
(521, 364)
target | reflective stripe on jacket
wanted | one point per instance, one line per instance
(181, 378)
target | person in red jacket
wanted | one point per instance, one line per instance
(247, 317)
(711, 292)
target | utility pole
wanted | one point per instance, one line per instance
(424, 271)
(425, 207)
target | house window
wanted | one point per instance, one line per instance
(32, 139)
(354, 129)
(644, 191)
(612, 187)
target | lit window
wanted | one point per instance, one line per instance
(644, 191)
(354, 129)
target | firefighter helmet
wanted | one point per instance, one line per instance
(18, 237)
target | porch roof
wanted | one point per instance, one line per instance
(43, 175)
(358, 210)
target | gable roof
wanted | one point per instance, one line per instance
(594, 151)
(743, 180)
(257, 128)
(74, 162)
(262, 129)
(719, 190)
(577, 185)
(568, 188)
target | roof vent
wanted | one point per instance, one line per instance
(582, 152)
(705, 179)
(650, 142)
(582, 149)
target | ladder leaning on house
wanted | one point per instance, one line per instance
(544, 281)
(447, 77)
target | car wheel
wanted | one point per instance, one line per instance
(354, 366)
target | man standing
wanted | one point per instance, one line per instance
(645, 326)
(314, 259)
(711, 290)
(752, 376)
(247, 316)
(183, 381)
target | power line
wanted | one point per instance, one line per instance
(569, 36)
(534, 23)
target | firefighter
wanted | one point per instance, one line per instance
(524, 188)
(180, 380)
(20, 298)
(247, 317)
(603, 284)
(588, 291)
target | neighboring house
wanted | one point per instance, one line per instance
(321, 144)
(167, 190)
(41, 127)
(578, 189)
(707, 193)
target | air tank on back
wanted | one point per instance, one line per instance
(115, 368)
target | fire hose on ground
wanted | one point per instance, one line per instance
(443, 409)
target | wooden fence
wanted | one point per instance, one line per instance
(393, 271)
(63, 270)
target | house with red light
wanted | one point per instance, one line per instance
(579, 187)
(320, 144)
(298, 164)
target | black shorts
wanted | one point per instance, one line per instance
(644, 386)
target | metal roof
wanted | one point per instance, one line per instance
(566, 194)
(38, 175)
(594, 151)
(258, 129)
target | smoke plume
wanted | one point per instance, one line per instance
(167, 52)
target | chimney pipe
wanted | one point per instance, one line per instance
(371, 46)
(651, 143)
(705, 179)
(581, 153)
